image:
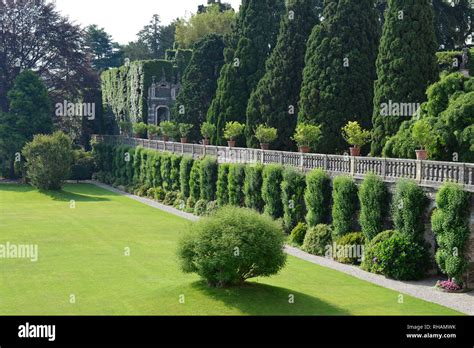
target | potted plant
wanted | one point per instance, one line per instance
(184, 129)
(125, 128)
(353, 133)
(168, 129)
(265, 135)
(423, 135)
(153, 132)
(307, 136)
(232, 131)
(139, 130)
(207, 130)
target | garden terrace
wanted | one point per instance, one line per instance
(427, 173)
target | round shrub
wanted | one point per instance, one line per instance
(180, 202)
(399, 257)
(232, 246)
(368, 262)
(200, 207)
(317, 240)
(170, 197)
(344, 209)
(298, 234)
(352, 245)
(48, 160)
(211, 207)
(373, 201)
(317, 197)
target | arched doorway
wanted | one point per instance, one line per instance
(162, 113)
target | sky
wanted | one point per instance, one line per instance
(123, 19)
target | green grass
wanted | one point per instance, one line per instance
(82, 252)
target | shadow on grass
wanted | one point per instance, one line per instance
(261, 299)
(67, 196)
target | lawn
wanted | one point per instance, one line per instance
(82, 252)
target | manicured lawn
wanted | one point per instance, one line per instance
(82, 253)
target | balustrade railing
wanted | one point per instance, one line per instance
(426, 173)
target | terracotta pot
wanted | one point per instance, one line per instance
(305, 149)
(137, 135)
(265, 146)
(166, 138)
(205, 142)
(355, 151)
(231, 143)
(184, 140)
(421, 155)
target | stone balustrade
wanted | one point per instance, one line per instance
(426, 173)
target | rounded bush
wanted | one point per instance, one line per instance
(317, 240)
(298, 234)
(200, 207)
(231, 246)
(368, 262)
(170, 197)
(353, 247)
(211, 207)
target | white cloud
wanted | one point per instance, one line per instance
(123, 19)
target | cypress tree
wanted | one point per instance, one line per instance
(406, 65)
(340, 70)
(257, 29)
(274, 101)
(199, 83)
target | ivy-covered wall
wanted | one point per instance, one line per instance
(125, 89)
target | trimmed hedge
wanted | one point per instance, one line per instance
(185, 175)
(292, 195)
(298, 234)
(408, 208)
(236, 184)
(353, 248)
(166, 165)
(344, 209)
(271, 190)
(317, 240)
(222, 185)
(450, 223)
(175, 172)
(253, 187)
(208, 178)
(317, 197)
(373, 196)
(195, 183)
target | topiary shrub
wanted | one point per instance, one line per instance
(344, 208)
(190, 204)
(175, 172)
(253, 187)
(368, 262)
(160, 194)
(450, 224)
(298, 234)
(83, 165)
(271, 190)
(399, 257)
(373, 201)
(185, 175)
(408, 207)
(317, 240)
(236, 184)
(48, 160)
(231, 246)
(292, 195)
(317, 197)
(167, 183)
(170, 198)
(350, 248)
(208, 178)
(180, 202)
(195, 182)
(200, 207)
(222, 185)
(212, 207)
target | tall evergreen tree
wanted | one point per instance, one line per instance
(340, 70)
(406, 65)
(199, 83)
(274, 101)
(256, 32)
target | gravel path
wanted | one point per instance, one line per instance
(423, 289)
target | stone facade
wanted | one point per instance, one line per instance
(161, 98)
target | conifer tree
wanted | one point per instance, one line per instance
(274, 101)
(256, 32)
(340, 70)
(199, 83)
(406, 65)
